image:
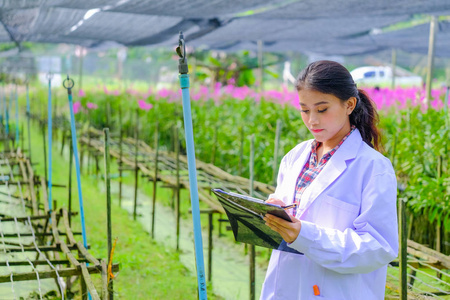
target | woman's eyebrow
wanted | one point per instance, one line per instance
(315, 104)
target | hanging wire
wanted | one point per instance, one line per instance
(59, 279)
(431, 276)
(416, 290)
(423, 292)
(423, 263)
(28, 259)
(7, 262)
(424, 283)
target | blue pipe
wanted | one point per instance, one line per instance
(17, 117)
(184, 82)
(50, 135)
(77, 167)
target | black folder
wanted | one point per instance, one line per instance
(246, 214)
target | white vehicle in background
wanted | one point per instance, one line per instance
(382, 76)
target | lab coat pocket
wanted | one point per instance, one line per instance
(337, 214)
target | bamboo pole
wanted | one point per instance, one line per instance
(43, 274)
(17, 116)
(252, 247)
(136, 169)
(89, 143)
(275, 155)
(63, 140)
(70, 181)
(120, 155)
(28, 123)
(214, 148)
(22, 136)
(108, 112)
(155, 178)
(210, 244)
(403, 251)
(430, 60)
(45, 153)
(108, 204)
(241, 152)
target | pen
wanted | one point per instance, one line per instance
(289, 206)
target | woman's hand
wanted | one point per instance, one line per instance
(275, 201)
(288, 231)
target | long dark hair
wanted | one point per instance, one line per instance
(330, 77)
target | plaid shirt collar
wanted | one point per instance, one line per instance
(326, 157)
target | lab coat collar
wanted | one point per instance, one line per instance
(332, 170)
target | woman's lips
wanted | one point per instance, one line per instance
(316, 130)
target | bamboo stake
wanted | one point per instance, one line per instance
(22, 136)
(120, 166)
(210, 244)
(136, 169)
(28, 123)
(108, 204)
(63, 140)
(70, 181)
(252, 247)
(120, 155)
(89, 142)
(16, 139)
(155, 179)
(275, 155)
(45, 152)
(214, 149)
(403, 251)
(241, 152)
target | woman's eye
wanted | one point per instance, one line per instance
(323, 110)
(304, 111)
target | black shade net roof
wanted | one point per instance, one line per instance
(329, 27)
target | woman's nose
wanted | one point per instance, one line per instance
(313, 119)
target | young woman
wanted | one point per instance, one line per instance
(345, 223)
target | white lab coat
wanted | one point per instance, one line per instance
(349, 226)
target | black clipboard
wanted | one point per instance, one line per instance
(246, 214)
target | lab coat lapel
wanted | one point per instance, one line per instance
(296, 169)
(332, 170)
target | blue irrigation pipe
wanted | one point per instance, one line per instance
(50, 134)
(17, 116)
(68, 84)
(184, 83)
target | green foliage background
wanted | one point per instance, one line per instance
(416, 141)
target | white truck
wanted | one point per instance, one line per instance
(382, 76)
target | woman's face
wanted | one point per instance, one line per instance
(325, 115)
